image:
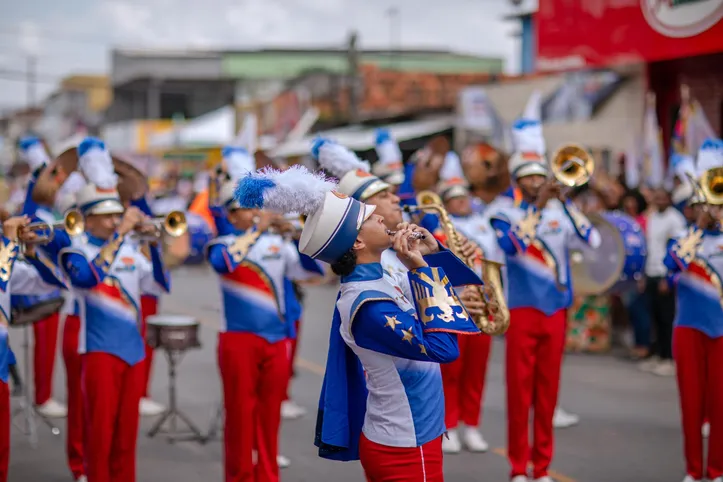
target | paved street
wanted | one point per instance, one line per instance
(629, 429)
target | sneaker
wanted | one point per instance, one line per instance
(149, 408)
(520, 478)
(717, 479)
(451, 443)
(282, 461)
(649, 364)
(291, 411)
(706, 432)
(82, 478)
(688, 478)
(665, 368)
(53, 409)
(474, 441)
(544, 479)
(562, 419)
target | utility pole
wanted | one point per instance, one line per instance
(394, 32)
(31, 79)
(353, 77)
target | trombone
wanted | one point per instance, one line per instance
(173, 224)
(572, 165)
(72, 224)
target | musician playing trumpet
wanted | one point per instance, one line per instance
(535, 236)
(109, 275)
(696, 267)
(38, 276)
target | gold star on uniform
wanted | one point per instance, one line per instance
(423, 349)
(408, 335)
(392, 322)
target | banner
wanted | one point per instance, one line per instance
(574, 34)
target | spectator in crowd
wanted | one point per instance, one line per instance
(636, 300)
(663, 222)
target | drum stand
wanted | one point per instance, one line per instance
(216, 424)
(27, 408)
(172, 415)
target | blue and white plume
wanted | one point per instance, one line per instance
(336, 159)
(33, 152)
(96, 164)
(295, 190)
(527, 130)
(710, 155)
(387, 148)
(238, 161)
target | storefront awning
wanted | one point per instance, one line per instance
(361, 138)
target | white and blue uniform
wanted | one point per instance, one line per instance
(110, 276)
(536, 245)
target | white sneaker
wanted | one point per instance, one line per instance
(544, 479)
(562, 419)
(688, 478)
(706, 432)
(291, 411)
(149, 408)
(282, 461)
(520, 478)
(717, 479)
(451, 443)
(82, 478)
(665, 368)
(474, 441)
(53, 409)
(649, 364)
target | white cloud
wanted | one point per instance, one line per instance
(76, 35)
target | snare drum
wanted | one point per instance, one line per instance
(22, 314)
(172, 332)
(617, 264)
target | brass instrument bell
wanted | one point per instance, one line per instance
(72, 223)
(174, 224)
(711, 185)
(572, 165)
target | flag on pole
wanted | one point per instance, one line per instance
(652, 145)
(633, 164)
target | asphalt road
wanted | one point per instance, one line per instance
(629, 429)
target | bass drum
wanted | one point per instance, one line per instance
(617, 264)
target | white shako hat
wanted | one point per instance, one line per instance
(529, 157)
(333, 219)
(100, 195)
(710, 155)
(353, 173)
(227, 194)
(389, 168)
(452, 182)
(684, 166)
(33, 152)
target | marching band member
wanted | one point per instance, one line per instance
(253, 346)
(109, 274)
(693, 259)
(45, 331)
(464, 379)
(389, 167)
(535, 237)
(40, 275)
(377, 331)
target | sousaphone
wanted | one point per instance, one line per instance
(132, 183)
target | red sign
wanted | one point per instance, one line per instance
(594, 33)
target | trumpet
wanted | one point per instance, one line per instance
(72, 224)
(173, 224)
(572, 165)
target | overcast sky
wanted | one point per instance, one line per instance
(74, 36)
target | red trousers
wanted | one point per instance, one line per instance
(464, 381)
(699, 361)
(535, 345)
(292, 357)
(4, 431)
(149, 307)
(111, 394)
(402, 464)
(45, 332)
(254, 374)
(73, 370)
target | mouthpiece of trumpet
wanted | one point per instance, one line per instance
(415, 235)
